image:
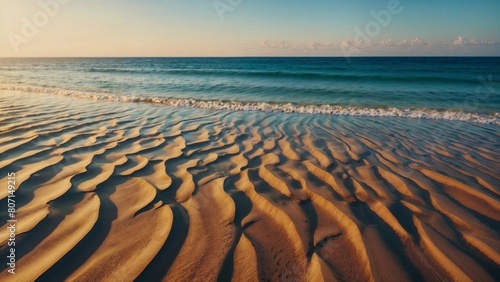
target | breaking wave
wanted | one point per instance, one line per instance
(324, 109)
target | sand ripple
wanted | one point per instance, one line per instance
(119, 192)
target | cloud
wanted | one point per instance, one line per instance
(409, 42)
(458, 41)
(461, 41)
(389, 42)
(404, 42)
(317, 46)
(296, 46)
(383, 43)
(276, 44)
(359, 44)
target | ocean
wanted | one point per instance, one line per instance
(462, 88)
(250, 169)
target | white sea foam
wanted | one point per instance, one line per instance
(326, 109)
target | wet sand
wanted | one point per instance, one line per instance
(110, 191)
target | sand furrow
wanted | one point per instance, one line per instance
(282, 258)
(245, 261)
(210, 214)
(335, 229)
(67, 234)
(463, 193)
(287, 150)
(159, 178)
(323, 159)
(326, 177)
(111, 191)
(28, 170)
(451, 271)
(145, 234)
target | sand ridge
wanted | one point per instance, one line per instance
(170, 194)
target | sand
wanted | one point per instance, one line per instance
(110, 191)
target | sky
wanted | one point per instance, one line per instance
(171, 28)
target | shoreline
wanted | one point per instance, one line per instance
(120, 190)
(273, 107)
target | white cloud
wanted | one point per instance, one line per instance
(296, 46)
(416, 41)
(317, 46)
(276, 44)
(387, 42)
(360, 44)
(410, 42)
(460, 41)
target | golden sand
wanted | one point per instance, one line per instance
(121, 192)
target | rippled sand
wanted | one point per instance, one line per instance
(115, 192)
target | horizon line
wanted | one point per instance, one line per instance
(221, 57)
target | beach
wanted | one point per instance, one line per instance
(250, 141)
(110, 190)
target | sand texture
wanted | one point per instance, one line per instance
(110, 191)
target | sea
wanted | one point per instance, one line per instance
(452, 88)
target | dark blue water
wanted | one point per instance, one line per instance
(460, 85)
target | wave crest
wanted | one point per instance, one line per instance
(324, 109)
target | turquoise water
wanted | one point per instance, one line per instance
(443, 88)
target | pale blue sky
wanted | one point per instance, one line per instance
(252, 28)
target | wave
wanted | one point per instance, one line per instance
(244, 198)
(323, 109)
(287, 74)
